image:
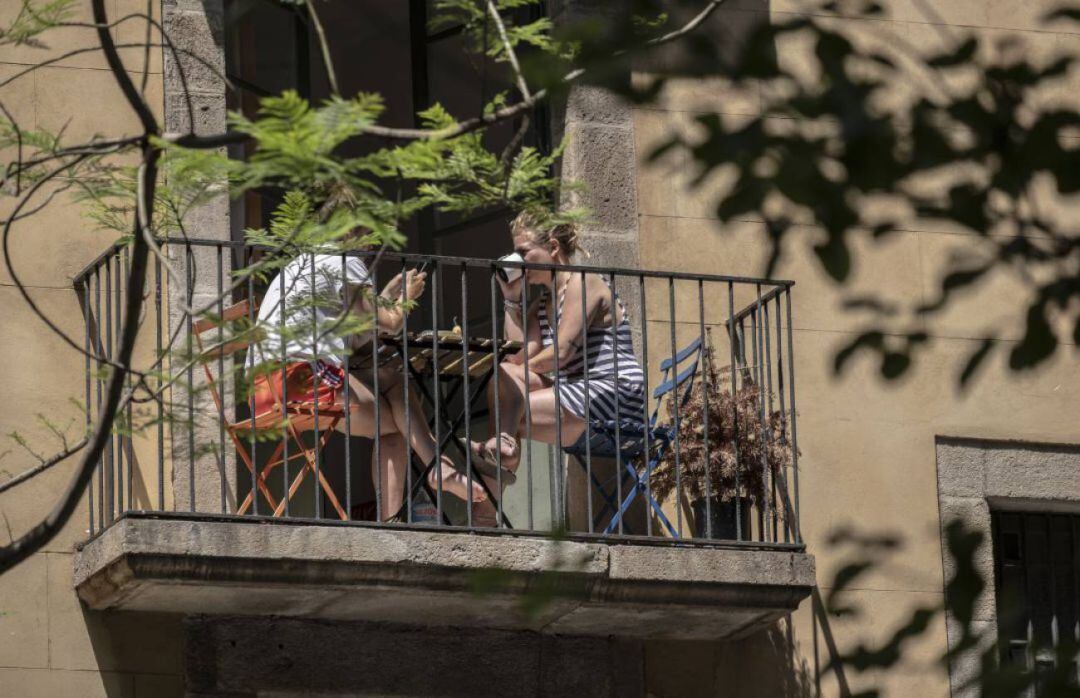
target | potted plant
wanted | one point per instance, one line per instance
(742, 471)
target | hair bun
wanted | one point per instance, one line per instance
(542, 232)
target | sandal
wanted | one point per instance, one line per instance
(456, 483)
(486, 459)
(485, 516)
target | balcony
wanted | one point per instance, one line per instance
(641, 527)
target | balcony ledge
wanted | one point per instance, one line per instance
(236, 566)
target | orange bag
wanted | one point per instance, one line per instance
(300, 387)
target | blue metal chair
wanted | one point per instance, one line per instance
(605, 435)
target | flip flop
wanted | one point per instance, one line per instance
(487, 463)
(433, 480)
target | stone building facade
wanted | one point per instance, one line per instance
(903, 457)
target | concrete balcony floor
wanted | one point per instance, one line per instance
(243, 566)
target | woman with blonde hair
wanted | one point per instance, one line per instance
(593, 337)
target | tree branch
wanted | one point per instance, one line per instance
(43, 466)
(42, 533)
(324, 46)
(686, 28)
(522, 87)
(463, 127)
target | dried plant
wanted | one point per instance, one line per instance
(735, 465)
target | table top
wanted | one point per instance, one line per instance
(452, 353)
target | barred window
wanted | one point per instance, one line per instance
(1036, 574)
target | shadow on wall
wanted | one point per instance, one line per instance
(143, 649)
(773, 662)
(712, 49)
(764, 664)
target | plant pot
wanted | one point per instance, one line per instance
(723, 518)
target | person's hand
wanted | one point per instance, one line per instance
(392, 290)
(511, 290)
(517, 359)
(415, 282)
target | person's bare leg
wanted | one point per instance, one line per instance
(510, 405)
(544, 427)
(391, 472)
(389, 466)
(410, 418)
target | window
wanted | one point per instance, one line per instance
(1037, 576)
(383, 46)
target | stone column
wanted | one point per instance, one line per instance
(600, 155)
(195, 101)
(601, 151)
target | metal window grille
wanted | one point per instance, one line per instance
(1037, 577)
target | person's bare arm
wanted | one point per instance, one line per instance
(514, 331)
(514, 324)
(571, 335)
(388, 318)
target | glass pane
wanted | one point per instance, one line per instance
(369, 47)
(261, 44)
(485, 240)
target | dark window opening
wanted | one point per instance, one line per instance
(1037, 578)
(383, 46)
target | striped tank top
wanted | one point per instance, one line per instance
(607, 352)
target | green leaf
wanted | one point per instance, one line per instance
(33, 20)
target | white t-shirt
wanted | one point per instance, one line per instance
(314, 305)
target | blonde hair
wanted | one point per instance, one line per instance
(542, 232)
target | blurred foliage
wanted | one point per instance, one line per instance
(861, 132)
(973, 658)
(562, 577)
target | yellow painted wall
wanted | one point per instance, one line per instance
(49, 645)
(868, 446)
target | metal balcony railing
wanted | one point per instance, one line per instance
(706, 452)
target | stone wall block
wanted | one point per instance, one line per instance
(961, 470)
(212, 460)
(288, 657)
(602, 158)
(590, 104)
(1033, 473)
(208, 111)
(966, 667)
(200, 35)
(192, 5)
(975, 513)
(204, 222)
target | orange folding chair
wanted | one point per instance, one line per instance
(294, 416)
